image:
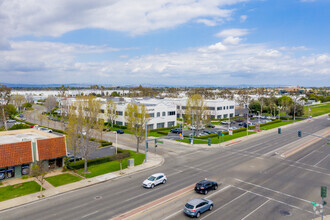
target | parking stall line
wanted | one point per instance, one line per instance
(225, 205)
(255, 209)
(321, 160)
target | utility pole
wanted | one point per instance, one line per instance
(146, 146)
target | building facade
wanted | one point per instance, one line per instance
(19, 149)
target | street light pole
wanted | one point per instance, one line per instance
(116, 141)
(146, 146)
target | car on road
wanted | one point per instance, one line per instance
(176, 130)
(120, 131)
(195, 207)
(205, 186)
(71, 157)
(154, 179)
(210, 126)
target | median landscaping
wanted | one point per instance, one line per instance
(62, 179)
(17, 190)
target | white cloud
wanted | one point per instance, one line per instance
(231, 40)
(232, 33)
(54, 18)
(219, 63)
(243, 18)
(207, 22)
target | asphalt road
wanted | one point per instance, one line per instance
(256, 184)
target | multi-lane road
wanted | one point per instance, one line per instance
(256, 183)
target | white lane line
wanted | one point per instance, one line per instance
(177, 212)
(306, 155)
(273, 190)
(321, 160)
(308, 169)
(196, 168)
(89, 214)
(296, 207)
(225, 205)
(255, 209)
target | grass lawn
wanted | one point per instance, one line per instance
(215, 140)
(62, 179)
(275, 125)
(108, 167)
(317, 110)
(21, 189)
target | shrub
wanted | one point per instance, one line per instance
(104, 143)
(120, 126)
(19, 126)
(121, 154)
(162, 132)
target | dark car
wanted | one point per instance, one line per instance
(176, 130)
(71, 158)
(210, 126)
(120, 131)
(206, 186)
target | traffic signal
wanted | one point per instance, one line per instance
(190, 139)
(155, 142)
(324, 202)
(323, 191)
(279, 130)
(209, 142)
(299, 133)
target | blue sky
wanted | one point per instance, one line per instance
(166, 42)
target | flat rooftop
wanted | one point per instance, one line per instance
(8, 137)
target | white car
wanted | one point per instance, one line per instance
(154, 180)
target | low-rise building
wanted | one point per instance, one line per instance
(19, 149)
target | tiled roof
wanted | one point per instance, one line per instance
(51, 148)
(15, 154)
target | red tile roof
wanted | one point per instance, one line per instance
(51, 148)
(15, 154)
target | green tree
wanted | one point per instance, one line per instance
(39, 171)
(297, 110)
(136, 117)
(73, 130)
(255, 106)
(285, 102)
(10, 110)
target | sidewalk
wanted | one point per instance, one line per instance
(153, 160)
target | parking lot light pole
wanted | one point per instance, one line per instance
(116, 141)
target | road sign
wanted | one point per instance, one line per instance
(230, 131)
(315, 204)
(323, 192)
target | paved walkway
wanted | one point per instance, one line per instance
(154, 160)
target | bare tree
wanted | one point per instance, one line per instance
(29, 98)
(244, 99)
(295, 94)
(50, 103)
(39, 171)
(4, 100)
(73, 129)
(111, 111)
(18, 101)
(136, 117)
(196, 110)
(261, 93)
(226, 94)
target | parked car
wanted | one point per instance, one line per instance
(45, 130)
(195, 207)
(225, 122)
(71, 158)
(120, 131)
(210, 126)
(176, 130)
(206, 186)
(11, 121)
(155, 179)
(192, 127)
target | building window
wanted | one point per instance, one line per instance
(2, 174)
(183, 107)
(211, 108)
(219, 117)
(178, 107)
(126, 124)
(219, 108)
(152, 115)
(119, 123)
(160, 125)
(164, 114)
(212, 116)
(225, 116)
(25, 169)
(231, 107)
(158, 114)
(151, 126)
(119, 113)
(231, 115)
(224, 107)
(10, 172)
(170, 113)
(170, 124)
(227, 107)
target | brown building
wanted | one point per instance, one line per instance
(21, 148)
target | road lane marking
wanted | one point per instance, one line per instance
(309, 169)
(225, 205)
(89, 214)
(255, 209)
(321, 161)
(296, 207)
(306, 155)
(273, 190)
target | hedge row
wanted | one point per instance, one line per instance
(162, 132)
(121, 154)
(105, 143)
(264, 124)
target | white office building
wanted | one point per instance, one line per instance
(217, 109)
(162, 114)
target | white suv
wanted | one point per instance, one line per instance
(154, 180)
